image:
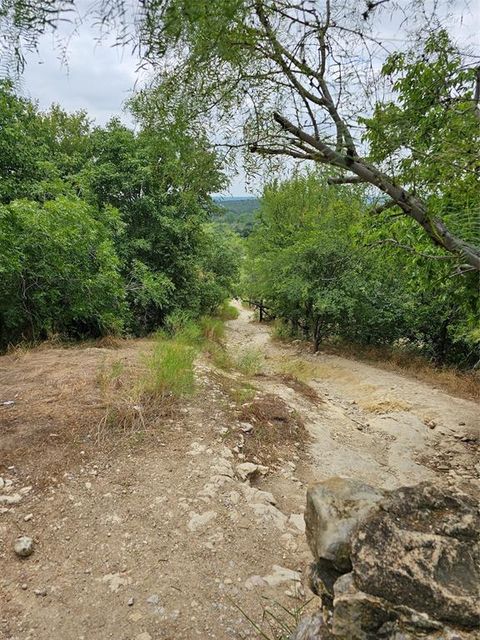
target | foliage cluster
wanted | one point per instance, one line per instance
(316, 261)
(106, 229)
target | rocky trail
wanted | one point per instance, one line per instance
(194, 527)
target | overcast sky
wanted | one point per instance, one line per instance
(99, 77)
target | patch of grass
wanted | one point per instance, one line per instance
(220, 356)
(110, 376)
(278, 621)
(250, 362)
(296, 368)
(227, 311)
(212, 328)
(170, 369)
(385, 406)
(242, 393)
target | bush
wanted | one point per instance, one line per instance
(59, 272)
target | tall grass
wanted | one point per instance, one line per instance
(170, 368)
(227, 311)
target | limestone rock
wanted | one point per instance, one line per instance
(422, 551)
(23, 546)
(247, 470)
(199, 520)
(358, 615)
(280, 575)
(335, 507)
(311, 627)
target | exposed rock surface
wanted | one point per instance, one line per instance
(334, 509)
(422, 550)
(312, 627)
(396, 565)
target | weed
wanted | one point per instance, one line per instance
(278, 622)
(282, 331)
(108, 376)
(301, 387)
(250, 362)
(242, 393)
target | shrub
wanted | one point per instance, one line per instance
(59, 272)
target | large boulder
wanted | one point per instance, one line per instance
(361, 616)
(421, 550)
(335, 508)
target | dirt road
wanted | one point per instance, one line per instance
(161, 538)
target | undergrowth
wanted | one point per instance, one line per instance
(167, 374)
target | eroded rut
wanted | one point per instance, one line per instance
(167, 541)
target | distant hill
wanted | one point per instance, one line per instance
(237, 212)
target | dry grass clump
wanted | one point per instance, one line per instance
(275, 429)
(301, 387)
(389, 405)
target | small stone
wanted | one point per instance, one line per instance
(24, 586)
(23, 546)
(88, 485)
(130, 602)
(28, 517)
(40, 592)
(247, 470)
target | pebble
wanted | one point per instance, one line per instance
(28, 517)
(40, 592)
(130, 602)
(24, 586)
(23, 546)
